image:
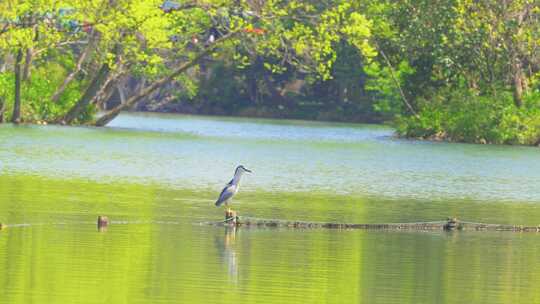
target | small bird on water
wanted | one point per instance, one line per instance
(232, 187)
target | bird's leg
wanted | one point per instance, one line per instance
(228, 208)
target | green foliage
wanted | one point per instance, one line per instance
(469, 68)
(305, 34)
(36, 94)
(381, 83)
(252, 89)
(460, 115)
(137, 38)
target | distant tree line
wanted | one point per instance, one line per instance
(459, 70)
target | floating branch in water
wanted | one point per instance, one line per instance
(449, 224)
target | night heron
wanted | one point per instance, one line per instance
(232, 187)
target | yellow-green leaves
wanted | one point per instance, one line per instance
(140, 38)
(358, 32)
(305, 33)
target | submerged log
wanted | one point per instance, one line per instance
(449, 224)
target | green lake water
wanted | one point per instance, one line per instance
(156, 177)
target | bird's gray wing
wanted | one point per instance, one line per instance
(226, 194)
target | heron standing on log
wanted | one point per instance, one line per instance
(231, 188)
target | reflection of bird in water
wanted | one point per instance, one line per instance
(228, 253)
(232, 187)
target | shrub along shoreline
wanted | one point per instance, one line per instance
(463, 117)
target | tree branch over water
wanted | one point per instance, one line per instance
(110, 115)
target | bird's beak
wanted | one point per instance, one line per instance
(248, 170)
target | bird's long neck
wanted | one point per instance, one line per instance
(237, 176)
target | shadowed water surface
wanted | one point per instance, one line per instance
(156, 177)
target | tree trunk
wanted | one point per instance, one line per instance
(519, 79)
(105, 93)
(29, 56)
(16, 117)
(2, 109)
(517, 83)
(107, 117)
(252, 89)
(121, 92)
(88, 96)
(110, 115)
(275, 95)
(27, 65)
